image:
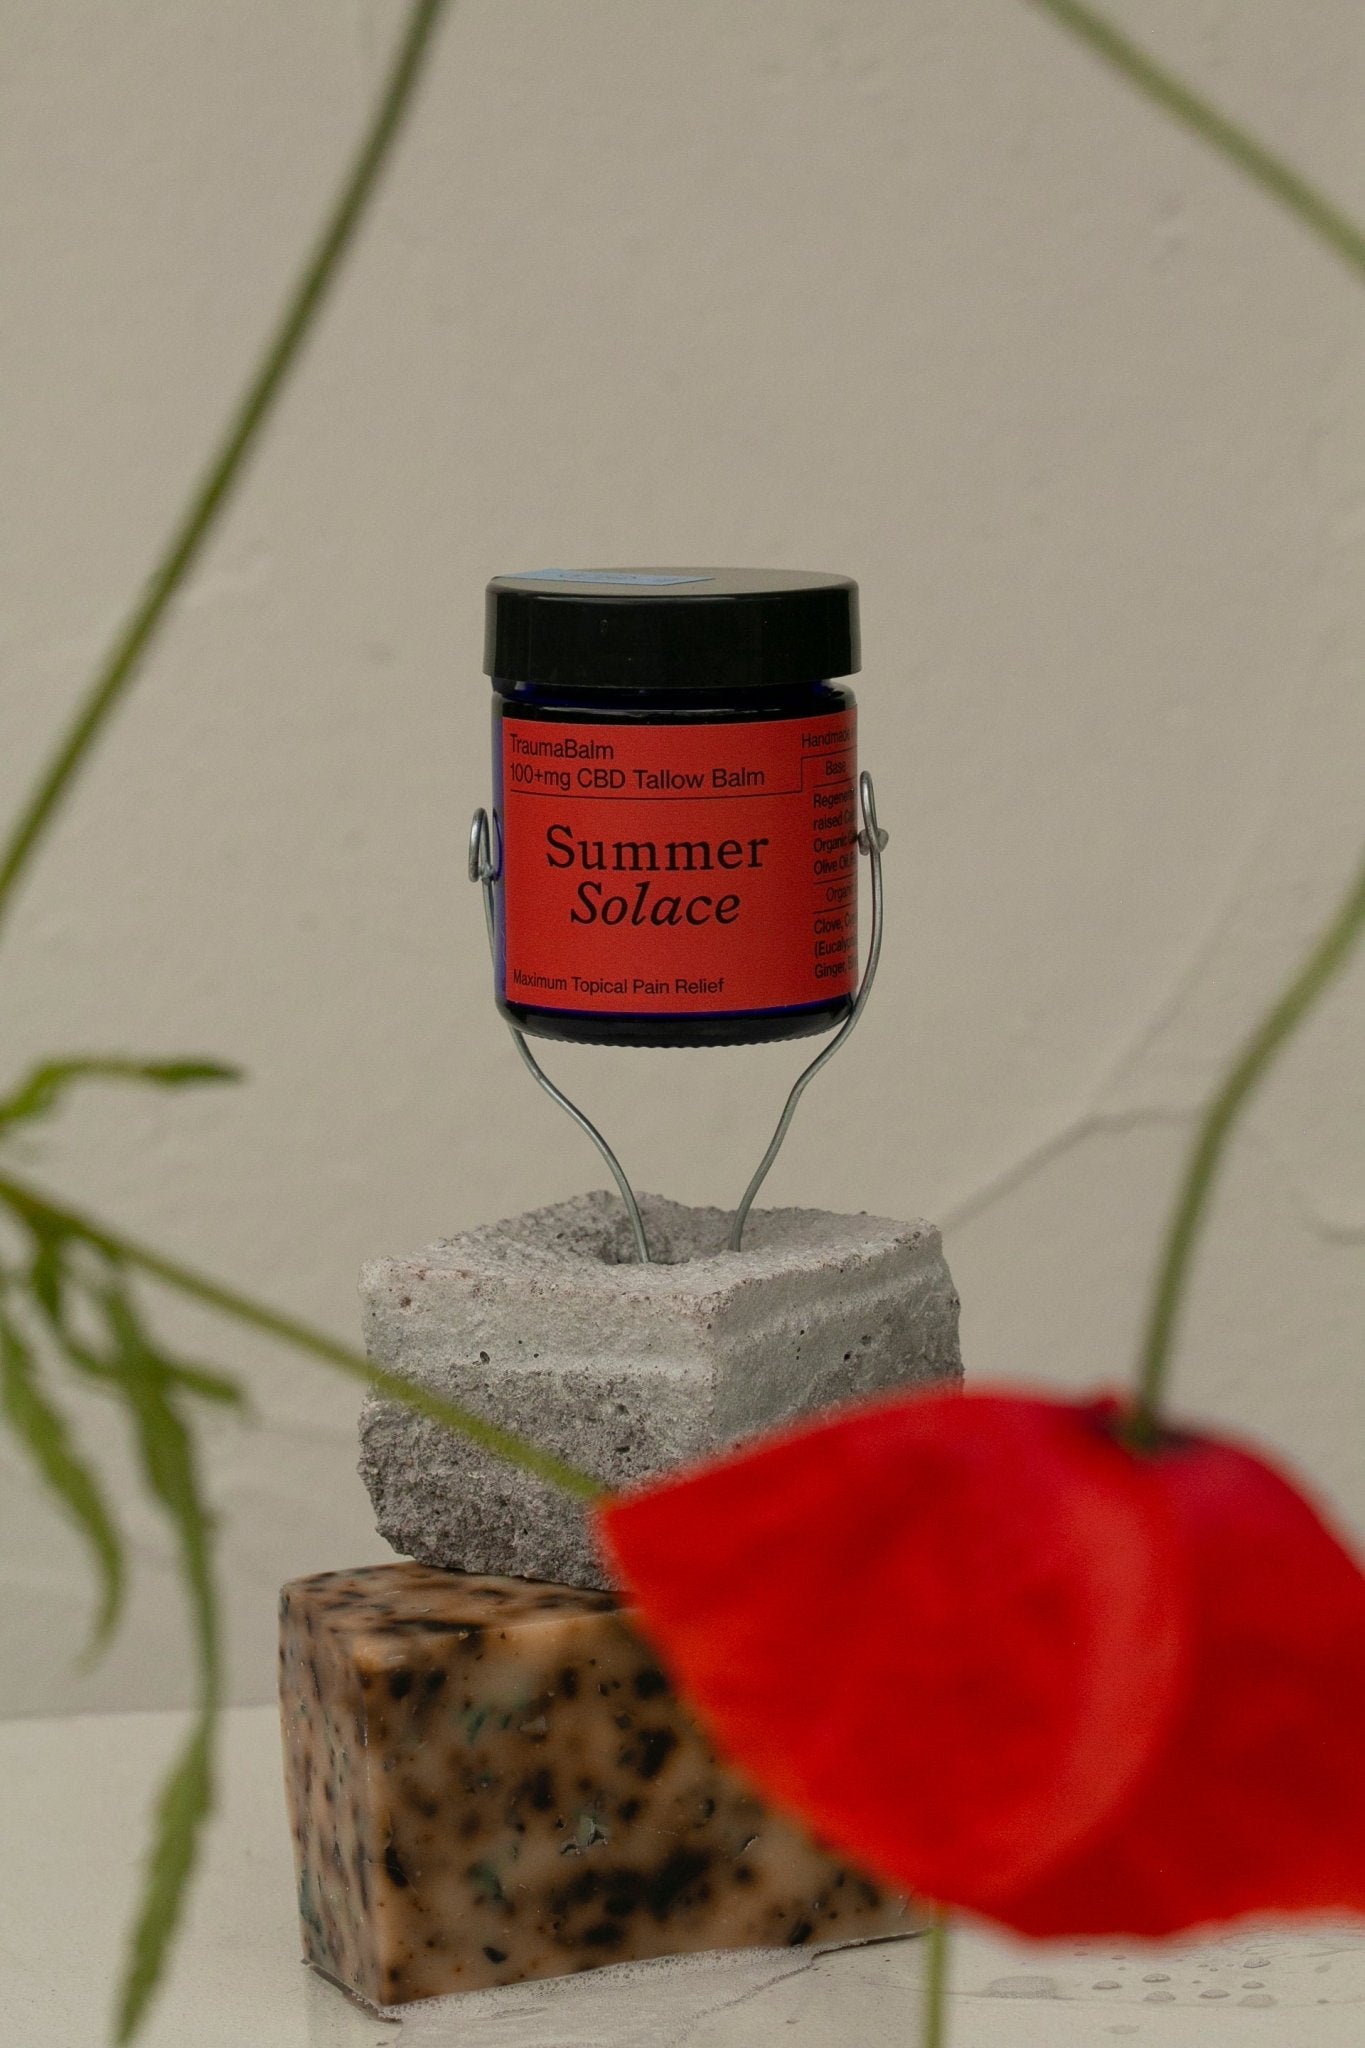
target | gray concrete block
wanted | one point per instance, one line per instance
(547, 1324)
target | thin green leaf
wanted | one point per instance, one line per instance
(1245, 151)
(51, 1287)
(192, 1379)
(1327, 956)
(47, 1276)
(51, 1284)
(43, 1431)
(148, 1383)
(209, 1386)
(212, 494)
(44, 1089)
(169, 1464)
(184, 1805)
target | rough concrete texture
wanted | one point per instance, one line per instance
(548, 1324)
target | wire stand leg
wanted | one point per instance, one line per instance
(871, 841)
(483, 868)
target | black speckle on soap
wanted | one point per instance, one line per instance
(802, 1931)
(673, 1877)
(626, 1889)
(656, 1746)
(495, 1955)
(540, 1790)
(603, 1934)
(567, 1682)
(393, 1865)
(587, 1885)
(400, 1684)
(649, 1683)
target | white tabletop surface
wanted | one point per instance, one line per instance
(73, 1809)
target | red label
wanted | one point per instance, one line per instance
(678, 869)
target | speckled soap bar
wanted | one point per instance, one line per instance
(489, 1779)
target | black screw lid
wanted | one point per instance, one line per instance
(674, 629)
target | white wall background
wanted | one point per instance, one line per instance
(913, 291)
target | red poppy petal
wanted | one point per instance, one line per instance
(1256, 1799)
(946, 1629)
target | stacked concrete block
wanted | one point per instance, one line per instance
(549, 1325)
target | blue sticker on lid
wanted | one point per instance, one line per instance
(602, 576)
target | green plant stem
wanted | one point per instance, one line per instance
(934, 2032)
(1262, 166)
(211, 496)
(36, 1208)
(1325, 960)
(1339, 233)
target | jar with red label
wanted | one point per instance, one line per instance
(675, 803)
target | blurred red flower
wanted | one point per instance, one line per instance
(986, 1646)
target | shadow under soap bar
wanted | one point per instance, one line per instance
(489, 1779)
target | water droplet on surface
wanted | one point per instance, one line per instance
(1156, 1978)
(1257, 1998)
(1022, 1987)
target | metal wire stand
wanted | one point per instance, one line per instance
(484, 868)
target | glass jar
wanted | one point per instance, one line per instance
(674, 820)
